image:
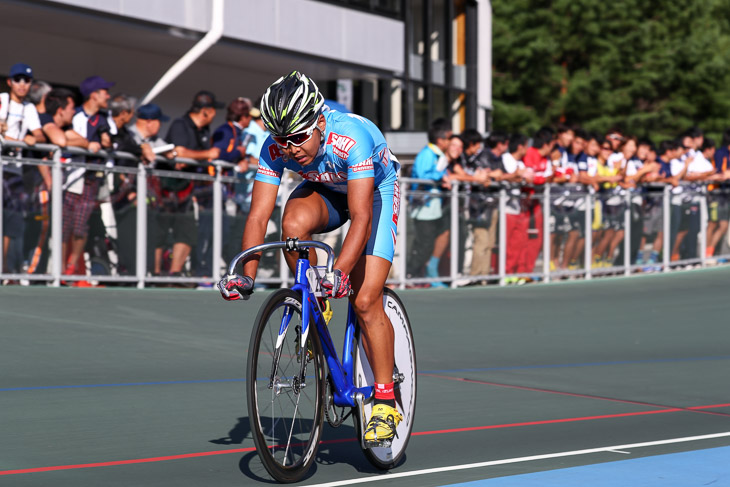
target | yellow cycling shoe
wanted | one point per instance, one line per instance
(380, 430)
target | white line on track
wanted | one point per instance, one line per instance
(428, 471)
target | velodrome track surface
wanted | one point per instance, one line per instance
(610, 382)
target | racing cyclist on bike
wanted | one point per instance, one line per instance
(349, 173)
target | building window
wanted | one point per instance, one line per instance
(388, 8)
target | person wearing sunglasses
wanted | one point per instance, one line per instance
(18, 116)
(349, 174)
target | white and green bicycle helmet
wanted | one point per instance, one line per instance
(291, 104)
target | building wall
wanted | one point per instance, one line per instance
(345, 35)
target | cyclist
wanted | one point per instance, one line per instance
(349, 173)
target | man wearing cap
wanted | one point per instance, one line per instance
(82, 187)
(18, 121)
(18, 116)
(191, 136)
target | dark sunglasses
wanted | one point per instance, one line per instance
(21, 79)
(296, 139)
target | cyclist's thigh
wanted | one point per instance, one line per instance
(312, 208)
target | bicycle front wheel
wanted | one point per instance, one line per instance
(404, 376)
(285, 397)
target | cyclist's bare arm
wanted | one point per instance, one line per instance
(360, 203)
(263, 201)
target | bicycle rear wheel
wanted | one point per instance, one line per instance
(285, 405)
(405, 383)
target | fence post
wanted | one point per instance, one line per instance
(2, 235)
(56, 218)
(141, 243)
(703, 226)
(454, 244)
(588, 239)
(502, 235)
(666, 225)
(627, 233)
(217, 222)
(546, 233)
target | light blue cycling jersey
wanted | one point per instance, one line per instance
(354, 148)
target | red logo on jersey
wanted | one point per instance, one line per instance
(396, 204)
(366, 165)
(268, 172)
(341, 144)
(274, 152)
(327, 177)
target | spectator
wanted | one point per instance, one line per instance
(538, 170)
(191, 136)
(699, 170)
(37, 95)
(483, 208)
(56, 125)
(517, 221)
(81, 186)
(121, 112)
(142, 140)
(18, 116)
(228, 138)
(719, 206)
(431, 222)
(18, 121)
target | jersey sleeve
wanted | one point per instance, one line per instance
(582, 163)
(360, 157)
(271, 163)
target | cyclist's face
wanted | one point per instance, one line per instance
(305, 153)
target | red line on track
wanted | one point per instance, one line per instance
(350, 440)
(585, 396)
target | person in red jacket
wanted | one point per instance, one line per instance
(538, 166)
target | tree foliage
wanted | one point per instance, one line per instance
(649, 67)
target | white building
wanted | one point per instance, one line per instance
(401, 63)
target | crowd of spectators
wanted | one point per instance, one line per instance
(99, 208)
(619, 169)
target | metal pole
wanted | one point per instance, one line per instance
(454, 261)
(703, 227)
(666, 251)
(588, 240)
(56, 218)
(402, 236)
(627, 233)
(546, 233)
(283, 268)
(141, 270)
(2, 236)
(502, 235)
(217, 222)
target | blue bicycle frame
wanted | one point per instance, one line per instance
(342, 373)
(345, 392)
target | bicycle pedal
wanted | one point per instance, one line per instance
(378, 443)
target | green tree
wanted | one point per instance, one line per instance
(648, 67)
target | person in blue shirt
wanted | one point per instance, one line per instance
(349, 173)
(431, 220)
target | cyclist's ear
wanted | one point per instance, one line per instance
(321, 123)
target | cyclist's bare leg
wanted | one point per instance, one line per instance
(367, 301)
(305, 214)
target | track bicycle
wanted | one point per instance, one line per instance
(295, 380)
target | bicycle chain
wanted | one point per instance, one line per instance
(330, 398)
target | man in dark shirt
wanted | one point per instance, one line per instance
(191, 136)
(483, 202)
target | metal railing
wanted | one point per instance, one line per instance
(454, 214)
